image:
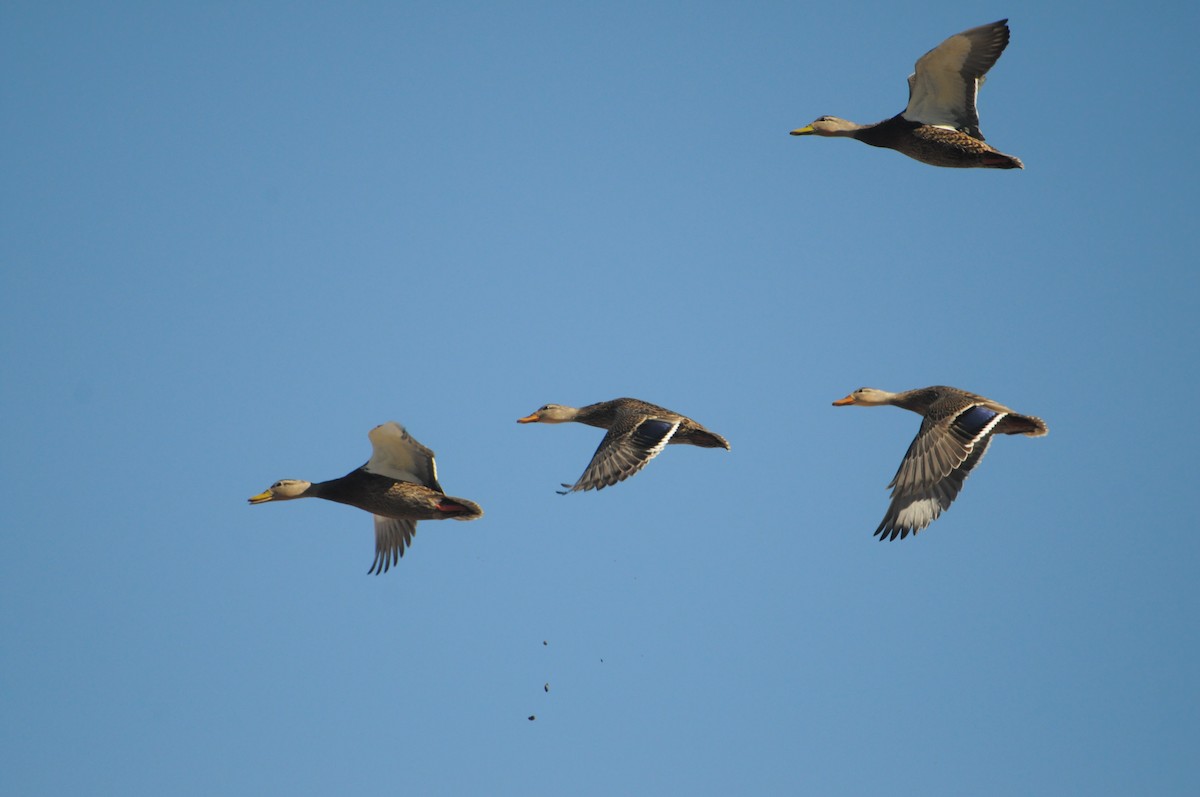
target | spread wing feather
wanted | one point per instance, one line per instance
(623, 452)
(396, 454)
(392, 536)
(937, 463)
(944, 87)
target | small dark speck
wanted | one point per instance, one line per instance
(544, 642)
(532, 717)
(545, 687)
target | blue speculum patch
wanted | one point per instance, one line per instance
(974, 420)
(651, 433)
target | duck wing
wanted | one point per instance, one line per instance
(624, 451)
(397, 455)
(392, 536)
(944, 87)
(941, 456)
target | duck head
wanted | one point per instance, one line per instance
(828, 126)
(550, 413)
(866, 397)
(282, 490)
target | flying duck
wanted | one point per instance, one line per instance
(637, 432)
(398, 485)
(957, 429)
(940, 125)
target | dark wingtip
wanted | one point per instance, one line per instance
(889, 534)
(380, 565)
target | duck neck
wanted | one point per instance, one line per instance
(882, 134)
(914, 400)
(599, 415)
(315, 490)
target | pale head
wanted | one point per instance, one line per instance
(282, 490)
(828, 126)
(866, 397)
(550, 413)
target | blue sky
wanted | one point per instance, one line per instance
(235, 238)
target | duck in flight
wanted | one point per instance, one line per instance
(398, 485)
(637, 432)
(940, 125)
(957, 428)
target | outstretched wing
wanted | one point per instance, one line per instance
(938, 461)
(945, 86)
(397, 455)
(623, 453)
(392, 536)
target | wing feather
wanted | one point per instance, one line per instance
(392, 536)
(937, 463)
(909, 512)
(944, 88)
(623, 453)
(397, 455)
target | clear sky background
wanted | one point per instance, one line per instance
(235, 237)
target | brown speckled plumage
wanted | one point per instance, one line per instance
(940, 126)
(398, 485)
(637, 432)
(957, 428)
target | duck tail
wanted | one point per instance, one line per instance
(1029, 425)
(459, 508)
(701, 437)
(998, 160)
